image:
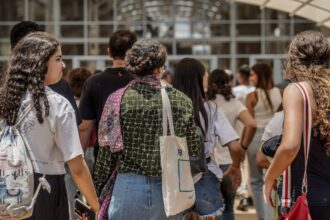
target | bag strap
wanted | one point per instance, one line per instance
(286, 187)
(167, 112)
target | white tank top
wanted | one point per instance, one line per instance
(262, 110)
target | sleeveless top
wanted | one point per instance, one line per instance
(262, 111)
(318, 175)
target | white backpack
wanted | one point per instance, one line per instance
(17, 195)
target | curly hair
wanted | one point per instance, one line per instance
(26, 71)
(265, 80)
(219, 83)
(77, 78)
(145, 56)
(309, 60)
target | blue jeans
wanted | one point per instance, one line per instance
(209, 200)
(256, 174)
(228, 194)
(138, 197)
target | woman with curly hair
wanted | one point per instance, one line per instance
(134, 133)
(307, 63)
(49, 129)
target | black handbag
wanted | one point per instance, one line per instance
(198, 163)
(270, 146)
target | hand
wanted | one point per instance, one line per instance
(235, 173)
(269, 185)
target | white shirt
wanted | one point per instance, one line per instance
(241, 91)
(262, 112)
(274, 126)
(219, 129)
(231, 109)
(56, 140)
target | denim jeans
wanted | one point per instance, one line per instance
(209, 201)
(256, 175)
(138, 197)
(228, 194)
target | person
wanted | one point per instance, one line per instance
(244, 87)
(262, 104)
(95, 93)
(77, 78)
(167, 76)
(49, 130)
(188, 78)
(62, 87)
(307, 63)
(220, 92)
(240, 92)
(137, 192)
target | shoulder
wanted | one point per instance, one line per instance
(292, 92)
(57, 101)
(251, 97)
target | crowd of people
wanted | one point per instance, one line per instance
(108, 148)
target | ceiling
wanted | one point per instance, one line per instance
(315, 10)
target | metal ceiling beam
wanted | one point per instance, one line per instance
(263, 5)
(298, 8)
(322, 22)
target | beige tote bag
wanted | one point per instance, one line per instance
(177, 182)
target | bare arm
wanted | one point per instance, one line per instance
(261, 160)
(251, 101)
(85, 130)
(250, 127)
(83, 181)
(291, 140)
(236, 153)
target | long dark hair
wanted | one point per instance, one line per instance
(265, 80)
(188, 78)
(26, 71)
(219, 83)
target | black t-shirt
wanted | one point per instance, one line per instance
(62, 87)
(98, 88)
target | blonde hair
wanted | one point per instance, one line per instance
(309, 60)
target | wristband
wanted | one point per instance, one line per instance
(242, 146)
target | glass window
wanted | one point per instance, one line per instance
(12, 10)
(72, 31)
(219, 48)
(303, 25)
(248, 12)
(41, 10)
(5, 49)
(277, 47)
(129, 10)
(219, 29)
(5, 31)
(278, 29)
(223, 63)
(96, 31)
(72, 49)
(72, 10)
(248, 48)
(248, 29)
